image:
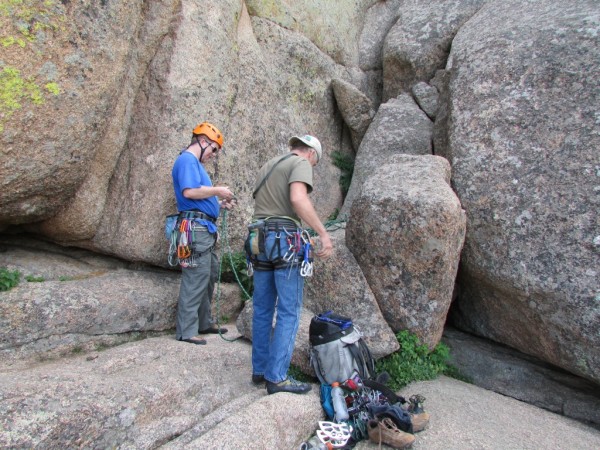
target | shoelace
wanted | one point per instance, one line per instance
(293, 381)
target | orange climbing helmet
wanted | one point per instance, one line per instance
(210, 131)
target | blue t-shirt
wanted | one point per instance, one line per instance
(189, 173)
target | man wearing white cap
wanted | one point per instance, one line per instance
(282, 202)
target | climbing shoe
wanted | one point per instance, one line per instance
(289, 385)
(386, 432)
(213, 330)
(258, 379)
(193, 341)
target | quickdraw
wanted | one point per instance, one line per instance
(306, 268)
(183, 248)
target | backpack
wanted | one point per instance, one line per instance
(337, 349)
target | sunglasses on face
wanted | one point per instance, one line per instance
(214, 147)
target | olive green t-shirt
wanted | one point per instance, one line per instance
(273, 198)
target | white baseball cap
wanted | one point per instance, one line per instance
(311, 141)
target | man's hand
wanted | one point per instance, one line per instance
(229, 204)
(325, 249)
(223, 193)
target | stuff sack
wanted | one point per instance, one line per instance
(338, 349)
(255, 242)
(170, 225)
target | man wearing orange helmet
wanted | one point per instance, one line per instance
(198, 203)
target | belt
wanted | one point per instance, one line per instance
(197, 215)
(275, 224)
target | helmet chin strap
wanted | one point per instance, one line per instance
(202, 149)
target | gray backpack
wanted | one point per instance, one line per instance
(337, 349)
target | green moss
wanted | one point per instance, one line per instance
(27, 27)
(32, 279)
(31, 16)
(52, 88)
(14, 89)
(7, 41)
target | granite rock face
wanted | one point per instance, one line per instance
(522, 139)
(98, 98)
(419, 42)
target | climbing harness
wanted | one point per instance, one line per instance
(181, 231)
(298, 253)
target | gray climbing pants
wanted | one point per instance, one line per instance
(197, 287)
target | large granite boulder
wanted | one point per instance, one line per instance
(502, 369)
(406, 230)
(399, 127)
(378, 21)
(356, 108)
(84, 62)
(332, 26)
(148, 394)
(523, 146)
(419, 42)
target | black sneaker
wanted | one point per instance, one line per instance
(258, 379)
(289, 385)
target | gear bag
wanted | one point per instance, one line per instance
(337, 349)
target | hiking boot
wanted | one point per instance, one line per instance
(386, 432)
(419, 421)
(258, 379)
(289, 385)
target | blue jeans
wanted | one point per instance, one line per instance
(272, 348)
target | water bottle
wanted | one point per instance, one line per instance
(339, 402)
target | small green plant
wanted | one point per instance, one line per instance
(65, 278)
(234, 270)
(334, 215)
(8, 278)
(345, 163)
(224, 318)
(297, 374)
(32, 279)
(414, 361)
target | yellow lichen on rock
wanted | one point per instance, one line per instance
(29, 31)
